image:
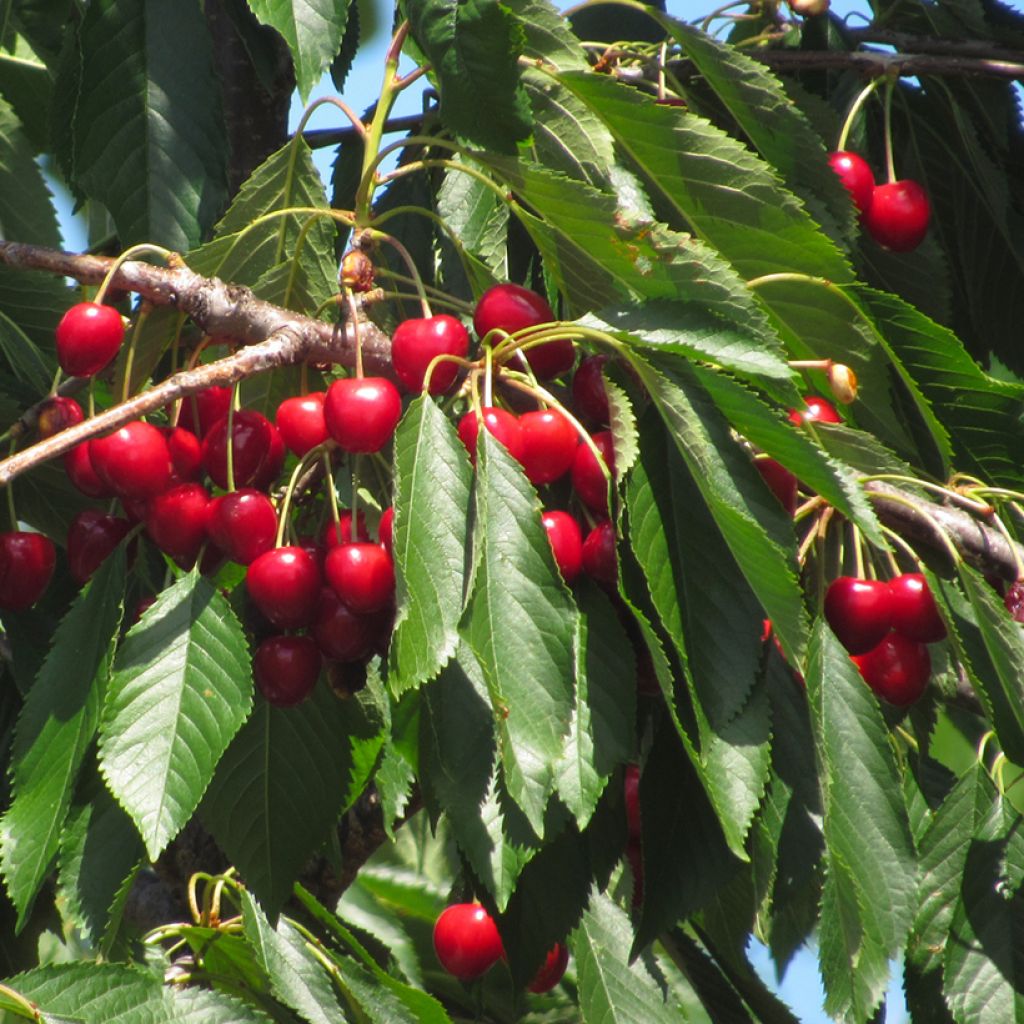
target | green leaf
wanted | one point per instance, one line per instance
(55, 729)
(431, 501)
(181, 689)
(35, 302)
(474, 47)
(26, 206)
(519, 621)
(27, 363)
(140, 119)
(548, 34)
(479, 220)
(284, 782)
(613, 990)
(313, 30)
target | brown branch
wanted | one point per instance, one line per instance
(874, 64)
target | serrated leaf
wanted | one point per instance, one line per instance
(519, 621)
(141, 122)
(313, 30)
(548, 34)
(431, 501)
(473, 47)
(35, 302)
(479, 220)
(26, 206)
(26, 362)
(55, 729)
(284, 782)
(181, 689)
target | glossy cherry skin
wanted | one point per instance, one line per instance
(510, 308)
(566, 541)
(272, 465)
(199, 412)
(780, 481)
(26, 567)
(631, 789)
(251, 440)
(1013, 599)
(186, 454)
(88, 337)
(286, 669)
(548, 445)
(550, 973)
(57, 414)
(341, 532)
(856, 176)
(897, 669)
(898, 216)
(341, 633)
(466, 941)
(300, 420)
(914, 613)
(91, 538)
(588, 480)
(818, 410)
(133, 461)
(859, 612)
(415, 343)
(176, 522)
(501, 424)
(386, 529)
(284, 584)
(589, 397)
(243, 524)
(362, 412)
(362, 575)
(82, 474)
(600, 560)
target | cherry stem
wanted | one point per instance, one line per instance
(444, 357)
(854, 110)
(890, 167)
(23, 1007)
(944, 538)
(488, 377)
(354, 503)
(353, 313)
(336, 101)
(303, 464)
(231, 438)
(410, 263)
(858, 552)
(11, 511)
(1001, 527)
(902, 545)
(456, 242)
(332, 493)
(129, 358)
(436, 294)
(172, 259)
(953, 497)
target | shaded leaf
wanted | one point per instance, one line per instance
(26, 206)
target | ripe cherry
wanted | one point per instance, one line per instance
(341, 532)
(859, 612)
(91, 537)
(550, 973)
(415, 343)
(269, 471)
(1014, 601)
(88, 337)
(251, 440)
(466, 940)
(341, 633)
(588, 480)
(362, 575)
(199, 412)
(133, 461)
(589, 397)
(243, 524)
(896, 669)
(176, 522)
(818, 410)
(856, 176)
(501, 424)
(286, 669)
(600, 560)
(914, 613)
(780, 481)
(566, 542)
(186, 454)
(385, 529)
(899, 214)
(56, 414)
(82, 474)
(362, 412)
(548, 445)
(510, 308)
(284, 584)
(26, 566)
(300, 420)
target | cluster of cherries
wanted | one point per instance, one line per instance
(896, 213)
(468, 945)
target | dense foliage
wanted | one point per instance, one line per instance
(177, 844)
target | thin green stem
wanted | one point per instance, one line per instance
(855, 110)
(890, 167)
(410, 263)
(129, 359)
(11, 510)
(165, 254)
(898, 499)
(336, 101)
(231, 439)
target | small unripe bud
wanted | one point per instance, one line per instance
(843, 382)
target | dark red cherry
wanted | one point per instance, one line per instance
(243, 524)
(362, 575)
(92, 536)
(251, 439)
(341, 532)
(58, 413)
(550, 973)
(818, 410)
(82, 474)
(272, 465)
(416, 343)
(362, 412)
(913, 609)
(286, 669)
(284, 584)
(897, 669)
(1014, 601)
(501, 424)
(588, 480)
(199, 412)
(548, 445)
(600, 560)
(88, 337)
(133, 461)
(26, 566)
(856, 176)
(186, 454)
(385, 529)
(466, 941)
(780, 481)
(300, 420)
(566, 541)
(341, 633)
(859, 612)
(898, 216)
(589, 397)
(176, 522)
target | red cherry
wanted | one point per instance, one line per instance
(269, 471)
(856, 176)
(91, 537)
(176, 521)
(501, 424)
(1014, 601)
(362, 575)
(341, 633)
(817, 410)
(56, 414)
(549, 974)
(199, 412)
(133, 461)
(587, 478)
(341, 533)
(300, 420)
(548, 445)
(600, 560)
(385, 529)
(466, 940)
(251, 439)
(415, 343)
(566, 543)
(26, 565)
(362, 412)
(897, 669)
(285, 585)
(859, 612)
(88, 337)
(898, 216)
(780, 482)
(243, 524)
(82, 474)
(913, 609)
(286, 669)
(510, 308)
(589, 397)
(631, 786)
(186, 454)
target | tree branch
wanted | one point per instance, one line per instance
(874, 64)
